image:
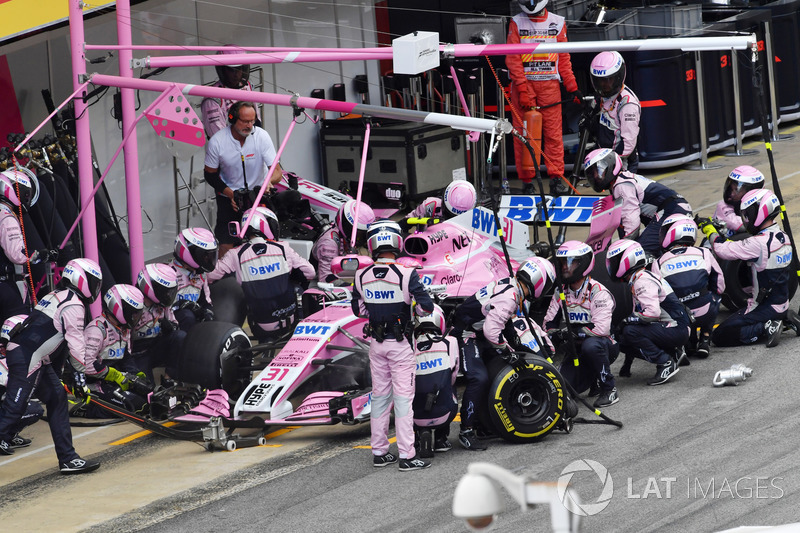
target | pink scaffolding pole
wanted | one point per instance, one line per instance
(83, 138)
(364, 155)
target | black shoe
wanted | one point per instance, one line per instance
(558, 187)
(415, 463)
(6, 448)
(20, 442)
(379, 461)
(483, 433)
(594, 390)
(625, 369)
(607, 398)
(528, 188)
(79, 466)
(773, 330)
(703, 348)
(426, 444)
(664, 372)
(793, 321)
(442, 445)
(469, 440)
(680, 356)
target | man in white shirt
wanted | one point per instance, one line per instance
(237, 160)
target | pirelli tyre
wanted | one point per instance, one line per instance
(525, 405)
(210, 358)
(228, 300)
(738, 279)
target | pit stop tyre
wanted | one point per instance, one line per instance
(203, 358)
(525, 406)
(227, 298)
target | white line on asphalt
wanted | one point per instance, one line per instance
(26, 454)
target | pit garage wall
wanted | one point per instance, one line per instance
(43, 61)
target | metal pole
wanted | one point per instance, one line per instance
(701, 114)
(773, 98)
(501, 114)
(83, 138)
(131, 149)
(737, 112)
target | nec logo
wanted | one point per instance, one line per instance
(379, 295)
(306, 330)
(680, 265)
(426, 365)
(265, 269)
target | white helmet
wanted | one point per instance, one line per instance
(459, 197)
(125, 303)
(532, 7)
(608, 73)
(84, 277)
(19, 187)
(263, 222)
(539, 276)
(346, 217)
(196, 248)
(741, 180)
(575, 259)
(624, 257)
(677, 229)
(757, 207)
(384, 236)
(159, 283)
(432, 323)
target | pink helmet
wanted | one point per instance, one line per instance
(159, 283)
(263, 222)
(677, 229)
(459, 197)
(608, 73)
(125, 303)
(575, 260)
(19, 178)
(433, 323)
(10, 327)
(84, 277)
(624, 257)
(538, 275)
(196, 248)
(233, 76)
(384, 236)
(741, 180)
(758, 207)
(346, 217)
(601, 167)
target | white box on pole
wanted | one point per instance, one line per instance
(416, 52)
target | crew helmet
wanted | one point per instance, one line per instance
(233, 76)
(575, 260)
(677, 229)
(433, 323)
(459, 197)
(384, 236)
(601, 167)
(608, 73)
(10, 327)
(19, 187)
(196, 248)
(159, 283)
(125, 303)
(741, 180)
(538, 275)
(84, 277)
(346, 217)
(532, 7)
(624, 257)
(263, 222)
(757, 207)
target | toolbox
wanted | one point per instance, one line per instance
(423, 157)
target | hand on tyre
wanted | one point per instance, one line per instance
(117, 377)
(207, 314)
(511, 358)
(166, 326)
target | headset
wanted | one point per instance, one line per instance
(233, 113)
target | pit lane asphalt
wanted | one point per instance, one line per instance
(682, 436)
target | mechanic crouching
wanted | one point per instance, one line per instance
(56, 319)
(194, 255)
(435, 403)
(484, 323)
(34, 411)
(110, 371)
(383, 292)
(264, 267)
(156, 339)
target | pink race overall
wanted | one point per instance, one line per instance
(383, 292)
(328, 245)
(733, 222)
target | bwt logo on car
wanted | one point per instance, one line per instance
(306, 330)
(680, 265)
(265, 269)
(427, 365)
(379, 295)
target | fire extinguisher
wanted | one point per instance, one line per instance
(532, 130)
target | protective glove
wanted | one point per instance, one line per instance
(79, 388)
(44, 255)
(166, 326)
(139, 383)
(207, 314)
(505, 353)
(706, 226)
(577, 95)
(115, 376)
(191, 305)
(526, 98)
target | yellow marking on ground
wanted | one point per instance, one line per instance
(368, 447)
(279, 432)
(457, 418)
(139, 435)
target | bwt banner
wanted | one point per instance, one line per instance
(18, 17)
